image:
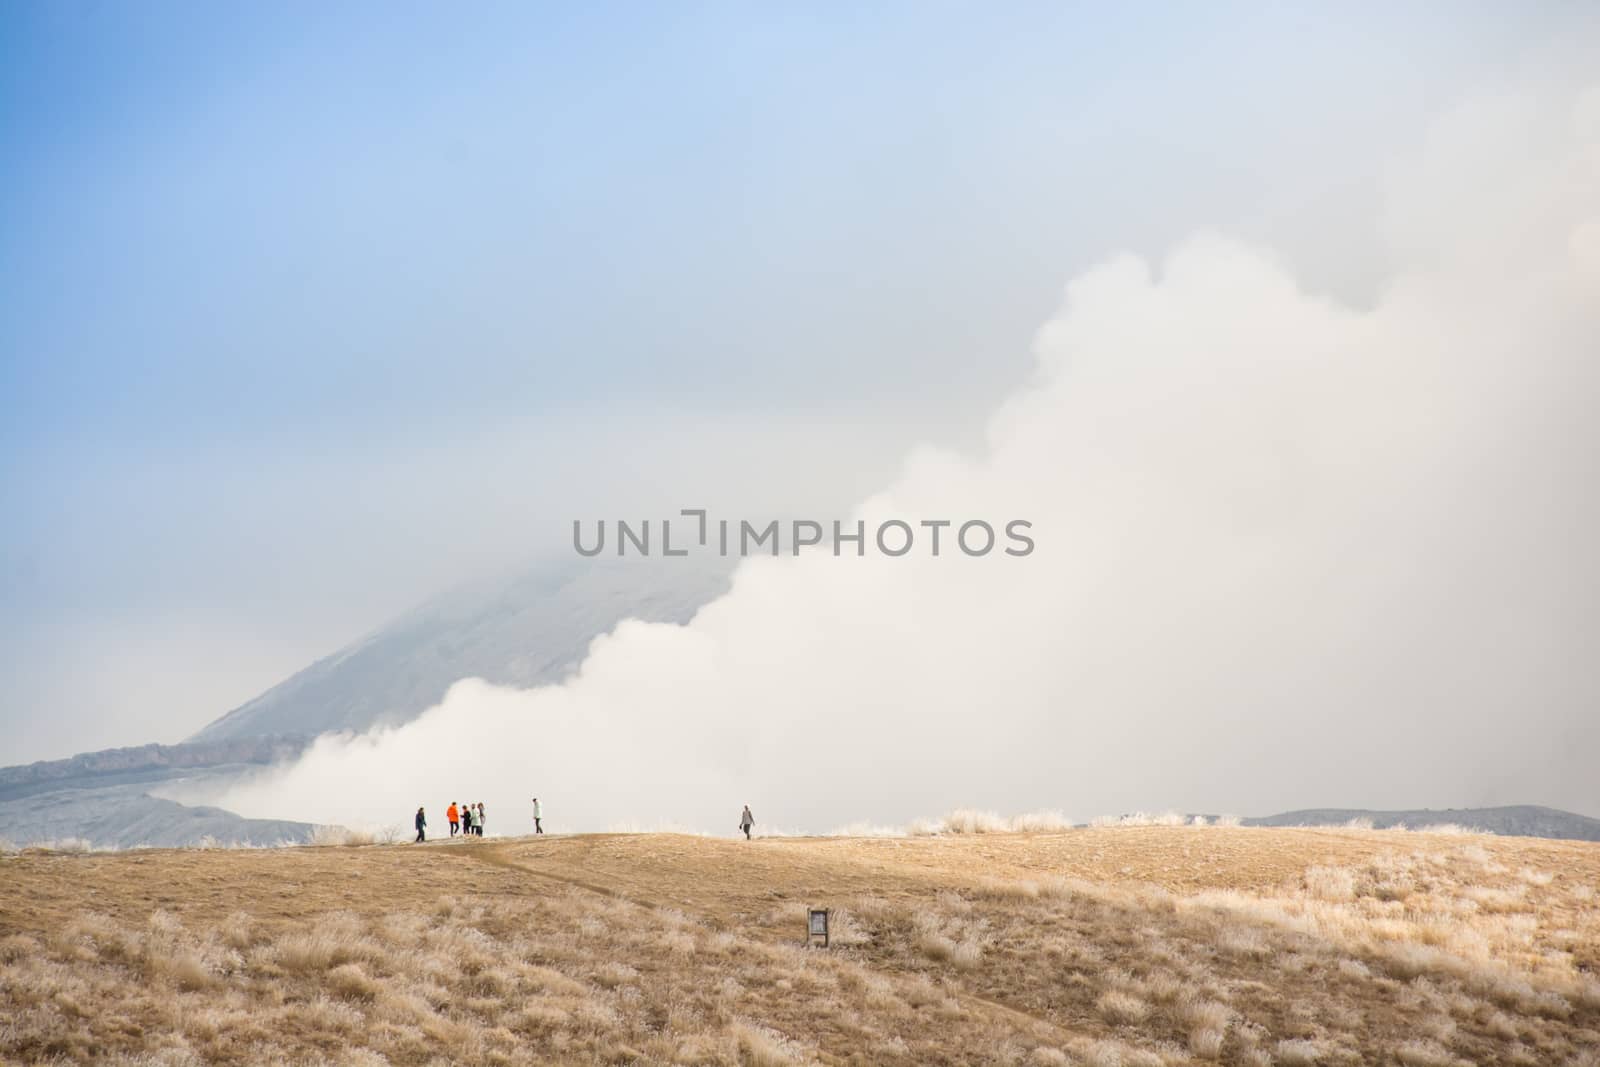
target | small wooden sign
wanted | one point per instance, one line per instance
(817, 927)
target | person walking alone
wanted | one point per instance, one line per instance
(452, 815)
(746, 821)
(538, 810)
(422, 826)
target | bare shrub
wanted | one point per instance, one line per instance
(68, 844)
(967, 821)
(350, 981)
(1238, 939)
(183, 968)
(1195, 1011)
(846, 930)
(762, 1047)
(1002, 889)
(340, 835)
(1206, 1022)
(614, 975)
(1302, 1052)
(1330, 883)
(1355, 969)
(1122, 1007)
(1206, 1043)
(14, 947)
(356, 836)
(948, 941)
(1427, 1054)
(362, 1057)
(1114, 1054)
(1140, 818)
(237, 931)
(334, 941)
(1040, 822)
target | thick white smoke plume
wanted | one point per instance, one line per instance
(1289, 553)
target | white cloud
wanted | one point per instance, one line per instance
(1288, 553)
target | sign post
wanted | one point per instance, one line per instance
(817, 927)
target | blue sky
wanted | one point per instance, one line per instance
(226, 223)
(311, 312)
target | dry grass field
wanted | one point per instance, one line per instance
(1110, 946)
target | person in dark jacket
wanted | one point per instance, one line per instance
(422, 826)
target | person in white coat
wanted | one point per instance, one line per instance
(538, 813)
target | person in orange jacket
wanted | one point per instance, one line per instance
(453, 817)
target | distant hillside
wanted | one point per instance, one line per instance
(124, 817)
(529, 631)
(1524, 820)
(103, 797)
(144, 763)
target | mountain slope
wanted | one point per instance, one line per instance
(530, 631)
(124, 816)
(106, 797)
(145, 763)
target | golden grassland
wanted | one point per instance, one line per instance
(1116, 947)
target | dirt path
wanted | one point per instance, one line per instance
(498, 856)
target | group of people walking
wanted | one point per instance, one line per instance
(465, 818)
